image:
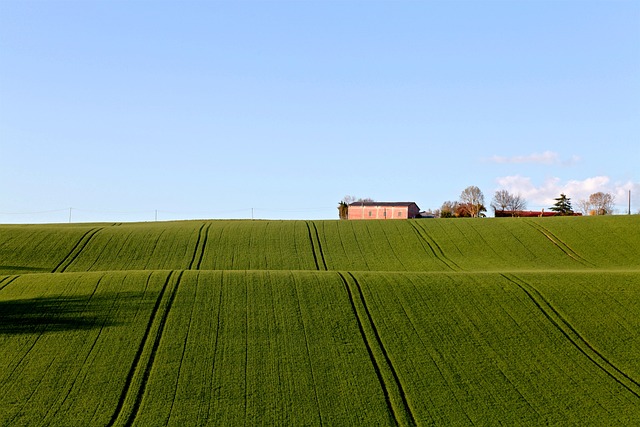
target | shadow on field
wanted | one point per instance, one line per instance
(53, 314)
(6, 269)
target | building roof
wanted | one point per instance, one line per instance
(500, 213)
(382, 204)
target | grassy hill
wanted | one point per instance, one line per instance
(463, 321)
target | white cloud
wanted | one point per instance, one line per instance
(545, 158)
(543, 195)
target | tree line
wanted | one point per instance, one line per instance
(471, 204)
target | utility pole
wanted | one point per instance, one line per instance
(156, 215)
(70, 215)
(629, 202)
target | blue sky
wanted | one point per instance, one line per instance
(209, 109)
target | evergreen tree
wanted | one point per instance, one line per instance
(562, 205)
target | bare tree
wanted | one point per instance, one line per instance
(597, 204)
(343, 206)
(352, 199)
(501, 200)
(474, 199)
(348, 199)
(505, 201)
(602, 203)
(518, 203)
(584, 206)
(448, 209)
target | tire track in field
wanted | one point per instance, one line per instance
(560, 244)
(73, 254)
(313, 246)
(7, 281)
(138, 376)
(324, 262)
(394, 394)
(201, 243)
(578, 341)
(438, 253)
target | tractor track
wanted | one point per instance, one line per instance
(7, 281)
(318, 260)
(77, 249)
(394, 394)
(560, 244)
(576, 339)
(138, 376)
(324, 262)
(198, 252)
(438, 253)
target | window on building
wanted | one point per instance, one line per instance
(370, 213)
(399, 214)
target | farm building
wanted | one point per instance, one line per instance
(383, 210)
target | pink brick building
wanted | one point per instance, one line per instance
(383, 210)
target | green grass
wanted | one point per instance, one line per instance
(446, 322)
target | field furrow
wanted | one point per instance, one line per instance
(138, 376)
(559, 244)
(319, 246)
(505, 321)
(574, 336)
(71, 256)
(314, 380)
(6, 281)
(459, 339)
(198, 252)
(267, 361)
(67, 340)
(431, 244)
(313, 247)
(389, 381)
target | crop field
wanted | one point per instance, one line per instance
(505, 321)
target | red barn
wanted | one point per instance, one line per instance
(383, 210)
(528, 214)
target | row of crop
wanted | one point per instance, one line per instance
(481, 245)
(426, 245)
(215, 245)
(261, 348)
(204, 347)
(468, 348)
(67, 342)
(611, 241)
(36, 248)
(259, 245)
(293, 348)
(604, 308)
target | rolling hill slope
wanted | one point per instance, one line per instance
(462, 245)
(465, 322)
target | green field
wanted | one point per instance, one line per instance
(499, 321)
